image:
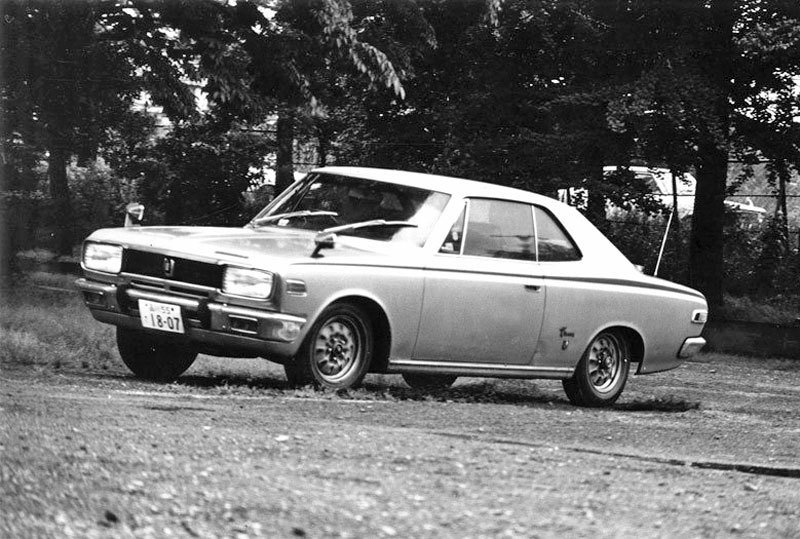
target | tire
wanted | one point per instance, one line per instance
(429, 381)
(337, 351)
(152, 357)
(601, 373)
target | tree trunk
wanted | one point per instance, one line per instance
(323, 142)
(284, 161)
(706, 247)
(62, 203)
(783, 177)
(7, 248)
(706, 260)
(596, 199)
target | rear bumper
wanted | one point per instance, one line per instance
(691, 346)
(219, 326)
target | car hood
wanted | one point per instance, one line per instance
(242, 245)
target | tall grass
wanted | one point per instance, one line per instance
(43, 322)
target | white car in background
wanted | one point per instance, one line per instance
(662, 184)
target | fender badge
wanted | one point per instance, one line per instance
(564, 333)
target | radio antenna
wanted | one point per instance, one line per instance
(664, 241)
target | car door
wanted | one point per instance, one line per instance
(483, 298)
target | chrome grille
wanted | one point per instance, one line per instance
(172, 268)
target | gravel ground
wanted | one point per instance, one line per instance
(707, 450)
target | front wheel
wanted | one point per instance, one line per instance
(337, 350)
(601, 373)
(154, 358)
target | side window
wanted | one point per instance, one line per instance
(499, 229)
(553, 242)
(452, 243)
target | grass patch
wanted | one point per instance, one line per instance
(51, 326)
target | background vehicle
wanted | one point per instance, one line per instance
(667, 189)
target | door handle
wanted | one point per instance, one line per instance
(533, 287)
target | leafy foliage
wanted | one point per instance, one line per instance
(198, 174)
(538, 94)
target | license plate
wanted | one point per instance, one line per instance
(161, 316)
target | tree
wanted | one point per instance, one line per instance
(197, 174)
(72, 70)
(312, 50)
(714, 87)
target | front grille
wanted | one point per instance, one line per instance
(182, 269)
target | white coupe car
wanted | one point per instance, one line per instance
(357, 270)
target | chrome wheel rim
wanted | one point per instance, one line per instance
(337, 348)
(606, 361)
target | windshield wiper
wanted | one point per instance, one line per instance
(326, 239)
(367, 224)
(289, 215)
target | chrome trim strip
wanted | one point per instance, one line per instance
(543, 275)
(99, 288)
(242, 312)
(166, 283)
(479, 369)
(462, 365)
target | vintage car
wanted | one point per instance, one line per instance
(357, 270)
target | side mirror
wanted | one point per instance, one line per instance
(134, 212)
(323, 240)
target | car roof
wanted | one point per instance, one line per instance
(445, 184)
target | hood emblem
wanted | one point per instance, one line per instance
(168, 266)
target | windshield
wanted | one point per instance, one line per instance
(323, 201)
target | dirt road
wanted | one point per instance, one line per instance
(708, 450)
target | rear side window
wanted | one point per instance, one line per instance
(499, 229)
(553, 242)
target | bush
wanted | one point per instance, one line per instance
(99, 196)
(639, 236)
(760, 274)
(197, 175)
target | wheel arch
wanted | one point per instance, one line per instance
(382, 333)
(633, 339)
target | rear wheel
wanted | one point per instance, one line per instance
(601, 373)
(429, 381)
(152, 357)
(337, 350)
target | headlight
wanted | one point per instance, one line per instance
(102, 257)
(250, 283)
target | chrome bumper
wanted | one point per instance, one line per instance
(208, 322)
(691, 346)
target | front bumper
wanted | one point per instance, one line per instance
(691, 346)
(219, 326)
